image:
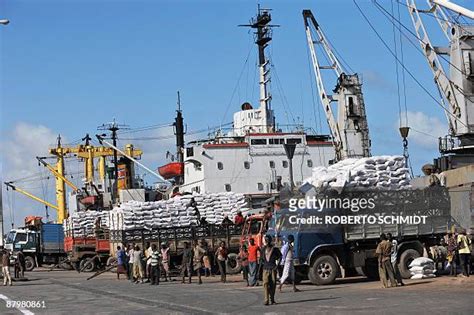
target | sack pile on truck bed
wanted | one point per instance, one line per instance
(82, 224)
(422, 268)
(379, 172)
(177, 212)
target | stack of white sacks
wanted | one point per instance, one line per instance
(177, 212)
(82, 224)
(377, 172)
(422, 268)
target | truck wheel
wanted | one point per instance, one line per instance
(87, 265)
(233, 264)
(112, 261)
(30, 263)
(323, 271)
(405, 260)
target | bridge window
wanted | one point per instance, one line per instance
(272, 164)
(220, 166)
(309, 163)
(276, 141)
(285, 164)
(246, 165)
(293, 141)
(258, 141)
(228, 187)
(260, 186)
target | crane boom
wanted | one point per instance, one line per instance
(350, 131)
(454, 7)
(457, 87)
(49, 167)
(30, 195)
(101, 140)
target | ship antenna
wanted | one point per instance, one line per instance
(263, 35)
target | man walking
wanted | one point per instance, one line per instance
(165, 260)
(187, 262)
(393, 259)
(464, 244)
(154, 265)
(269, 257)
(7, 279)
(199, 253)
(121, 257)
(138, 265)
(253, 250)
(221, 257)
(288, 265)
(383, 252)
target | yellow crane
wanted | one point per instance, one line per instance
(30, 195)
(88, 153)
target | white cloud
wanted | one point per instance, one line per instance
(425, 130)
(19, 149)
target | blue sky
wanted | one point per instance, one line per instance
(69, 66)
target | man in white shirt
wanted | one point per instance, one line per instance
(393, 259)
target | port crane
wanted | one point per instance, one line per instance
(456, 86)
(350, 131)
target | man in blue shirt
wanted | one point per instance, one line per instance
(121, 258)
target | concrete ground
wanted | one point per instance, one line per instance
(67, 292)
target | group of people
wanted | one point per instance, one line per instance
(272, 263)
(459, 250)
(387, 252)
(143, 266)
(147, 266)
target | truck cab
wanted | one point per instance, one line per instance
(310, 238)
(26, 241)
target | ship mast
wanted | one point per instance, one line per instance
(263, 37)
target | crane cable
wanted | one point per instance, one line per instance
(403, 66)
(396, 69)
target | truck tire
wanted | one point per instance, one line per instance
(323, 271)
(112, 261)
(87, 265)
(30, 263)
(406, 258)
(232, 264)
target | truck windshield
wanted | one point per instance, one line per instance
(20, 237)
(10, 237)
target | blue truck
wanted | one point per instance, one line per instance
(326, 251)
(41, 243)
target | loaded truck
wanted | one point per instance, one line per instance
(325, 250)
(41, 243)
(175, 237)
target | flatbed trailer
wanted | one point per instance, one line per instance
(175, 237)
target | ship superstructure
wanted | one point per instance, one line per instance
(250, 157)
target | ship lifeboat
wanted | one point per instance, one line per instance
(171, 170)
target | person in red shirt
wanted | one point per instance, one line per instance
(239, 218)
(253, 253)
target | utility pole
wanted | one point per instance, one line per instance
(113, 127)
(179, 133)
